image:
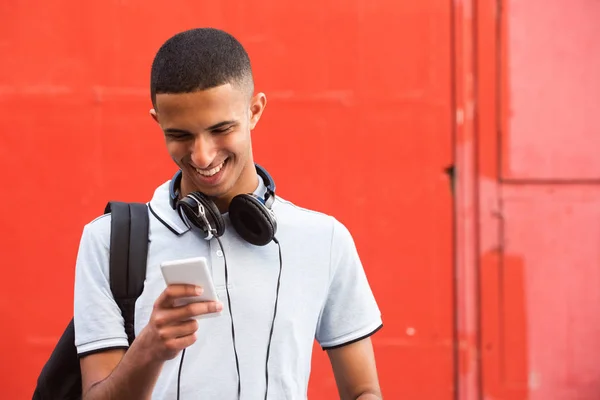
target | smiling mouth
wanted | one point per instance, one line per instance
(207, 173)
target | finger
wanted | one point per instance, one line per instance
(181, 343)
(195, 309)
(176, 315)
(173, 292)
(205, 307)
(182, 329)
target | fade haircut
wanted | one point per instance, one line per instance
(199, 59)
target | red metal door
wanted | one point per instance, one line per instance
(539, 199)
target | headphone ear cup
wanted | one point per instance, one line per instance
(189, 206)
(251, 219)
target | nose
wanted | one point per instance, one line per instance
(203, 151)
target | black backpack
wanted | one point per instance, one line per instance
(60, 378)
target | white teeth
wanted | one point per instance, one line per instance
(210, 172)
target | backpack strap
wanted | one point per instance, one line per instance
(128, 257)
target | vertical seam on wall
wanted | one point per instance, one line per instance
(453, 110)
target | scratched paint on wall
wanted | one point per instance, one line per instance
(553, 86)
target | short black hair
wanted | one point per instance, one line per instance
(199, 59)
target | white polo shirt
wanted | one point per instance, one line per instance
(324, 295)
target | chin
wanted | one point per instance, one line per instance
(218, 190)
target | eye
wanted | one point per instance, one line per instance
(178, 136)
(220, 131)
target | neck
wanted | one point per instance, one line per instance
(247, 183)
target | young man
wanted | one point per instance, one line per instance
(284, 275)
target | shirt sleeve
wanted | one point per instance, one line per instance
(98, 321)
(350, 312)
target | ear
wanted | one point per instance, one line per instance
(257, 106)
(153, 114)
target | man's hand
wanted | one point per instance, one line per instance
(172, 328)
(133, 374)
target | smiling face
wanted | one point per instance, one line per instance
(207, 133)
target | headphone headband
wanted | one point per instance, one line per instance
(174, 189)
(266, 177)
(269, 184)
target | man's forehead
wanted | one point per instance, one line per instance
(225, 96)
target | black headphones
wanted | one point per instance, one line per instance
(250, 215)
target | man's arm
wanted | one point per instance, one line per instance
(114, 374)
(355, 371)
(349, 317)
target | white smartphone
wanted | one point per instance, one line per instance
(191, 271)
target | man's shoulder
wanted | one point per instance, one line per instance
(287, 210)
(304, 219)
(99, 224)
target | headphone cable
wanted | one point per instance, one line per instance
(237, 362)
(273, 322)
(179, 373)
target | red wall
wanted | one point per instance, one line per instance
(358, 124)
(490, 293)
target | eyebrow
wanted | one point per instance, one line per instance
(221, 124)
(210, 128)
